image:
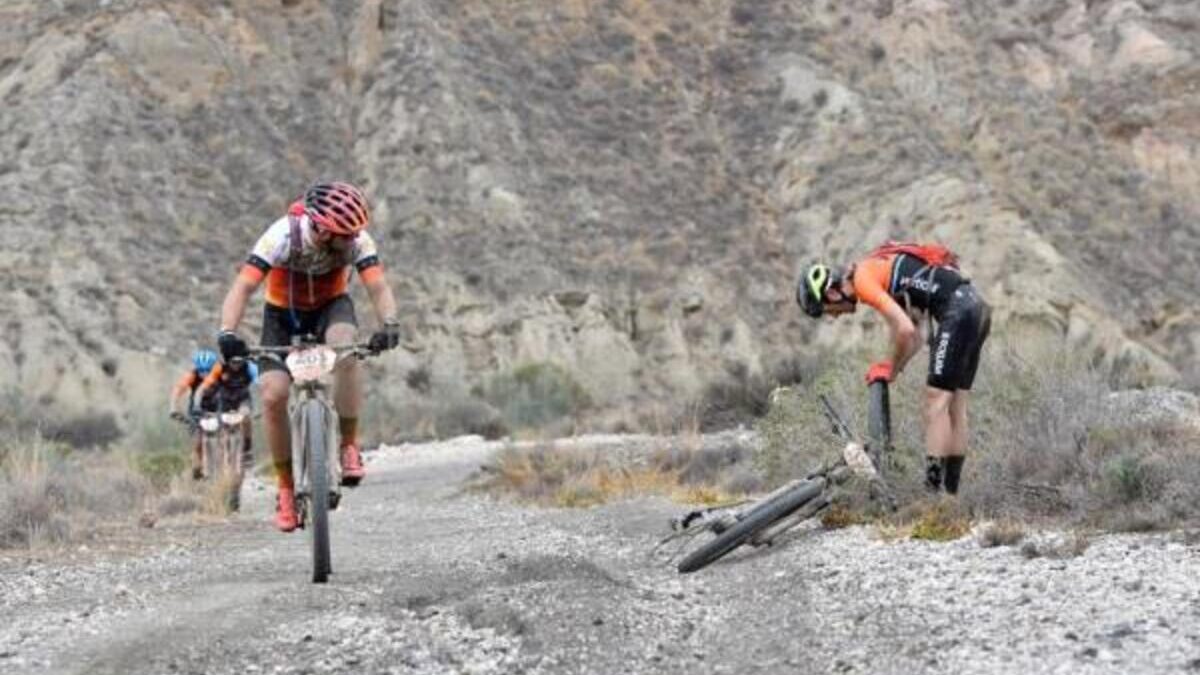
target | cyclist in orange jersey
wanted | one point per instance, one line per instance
(226, 388)
(306, 259)
(901, 286)
(203, 361)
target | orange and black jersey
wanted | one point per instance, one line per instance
(307, 276)
(906, 280)
(231, 385)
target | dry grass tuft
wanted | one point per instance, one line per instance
(839, 516)
(941, 520)
(1002, 533)
(51, 495)
(1072, 545)
(685, 470)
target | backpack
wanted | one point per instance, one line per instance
(933, 255)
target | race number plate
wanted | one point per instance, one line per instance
(209, 424)
(311, 363)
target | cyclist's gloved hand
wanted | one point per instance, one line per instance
(176, 415)
(386, 338)
(231, 345)
(879, 372)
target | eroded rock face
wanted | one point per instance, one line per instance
(624, 189)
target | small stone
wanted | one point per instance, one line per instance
(597, 621)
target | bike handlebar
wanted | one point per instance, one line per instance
(359, 349)
(257, 350)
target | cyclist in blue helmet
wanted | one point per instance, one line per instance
(203, 361)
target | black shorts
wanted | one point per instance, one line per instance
(958, 341)
(280, 325)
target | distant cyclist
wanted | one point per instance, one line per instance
(910, 284)
(306, 258)
(227, 389)
(203, 361)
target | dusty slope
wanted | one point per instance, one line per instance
(429, 580)
(623, 187)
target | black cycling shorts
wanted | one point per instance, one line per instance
(958, 341)
(280, 325)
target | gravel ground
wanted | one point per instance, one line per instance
(429, 579)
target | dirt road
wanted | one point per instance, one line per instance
(431, 580)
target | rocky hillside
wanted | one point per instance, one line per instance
(625, 187)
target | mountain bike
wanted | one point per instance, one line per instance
(760, 523)
(313, 422)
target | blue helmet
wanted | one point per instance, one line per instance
(204, 360)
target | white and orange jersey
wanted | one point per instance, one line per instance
(307, 276)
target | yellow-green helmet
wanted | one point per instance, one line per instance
(810, 289)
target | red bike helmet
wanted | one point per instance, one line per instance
(338, 208)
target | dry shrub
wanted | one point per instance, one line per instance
(742, 397)
(943, 519)
(50, 495)
(1002, 533)
(1050, 437)
(1058, 547)
(437, 412)
(838, 516)
(182, 497)
(535, 395)
(686, 469)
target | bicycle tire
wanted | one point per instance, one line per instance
(317, 457)
(210, 447)
(879, 421)
(233, 464)
(758, 519)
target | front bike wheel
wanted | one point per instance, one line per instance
(210, 447)
(233, 465)
(316, 457)
(758, 519)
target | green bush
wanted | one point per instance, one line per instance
(535, 395)
(160, 467)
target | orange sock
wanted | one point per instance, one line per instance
(348, 426)
(283, 473)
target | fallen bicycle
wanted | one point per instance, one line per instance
(761, 522)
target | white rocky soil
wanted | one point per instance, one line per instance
(432, 579)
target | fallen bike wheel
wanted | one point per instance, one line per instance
(318, 483)
(756, 520)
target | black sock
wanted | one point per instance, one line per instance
(933, 473)
(953, 472)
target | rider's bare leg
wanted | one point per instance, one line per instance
(347, 389)
(939, 432)
(958, 423)
(274, 386)
(939, 435)
(958, 442)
